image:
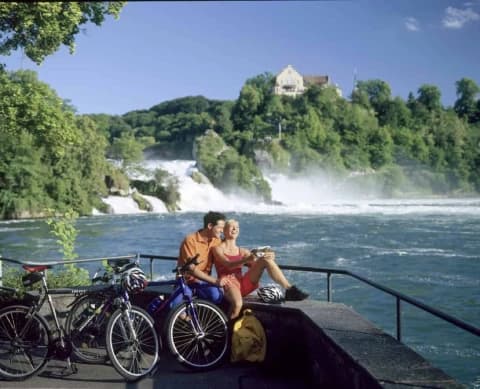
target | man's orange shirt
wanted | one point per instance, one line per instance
(197, 243)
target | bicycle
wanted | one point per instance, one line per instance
(196, 330)
(26, 341)
(131, 338)
(131, 342)
(89, 313)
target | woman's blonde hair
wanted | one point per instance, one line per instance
(230, 221)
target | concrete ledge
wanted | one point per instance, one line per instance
(327, 344)
(338, 348)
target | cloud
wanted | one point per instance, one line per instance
(412, 24)
(456, 18)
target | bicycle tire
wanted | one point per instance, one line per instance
(23, 356)
(198, 350)
(88, 343)
(132, 359)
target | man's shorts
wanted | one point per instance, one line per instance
(243, 283)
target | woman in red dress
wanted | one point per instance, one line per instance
(229, 259)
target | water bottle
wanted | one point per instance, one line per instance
(156, 302)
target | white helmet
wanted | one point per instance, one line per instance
(134, 280)
(270, 294)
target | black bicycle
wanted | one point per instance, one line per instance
(89, 313)
(26, 341)
(104, 324)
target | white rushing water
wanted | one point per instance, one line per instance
(313, 194)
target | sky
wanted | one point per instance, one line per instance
(159, 50)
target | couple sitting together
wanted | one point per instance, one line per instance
(228, 259)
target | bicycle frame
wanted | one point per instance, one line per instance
(180, 289)
(63, 351)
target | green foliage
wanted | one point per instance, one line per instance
(167, 189)
(64, 230)
(280, 156)
(429, 96)
(164, 186)
(40, 28)
(142, 203)
(227, 169)
(116, 179)
(52, 158)
(48, 156)
(466, 105)
(127, 149)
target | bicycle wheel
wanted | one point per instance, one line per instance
(24, 343)
(86, 325)
(132, 343)
(201, 345)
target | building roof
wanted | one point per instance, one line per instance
(315, 80)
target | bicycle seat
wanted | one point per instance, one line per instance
(36, 268)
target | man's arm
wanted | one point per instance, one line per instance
(204, 276)
(187, 250)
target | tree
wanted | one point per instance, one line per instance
(465, 105)
(397, 113)
(48, 156)
(429, 96)
(246, 106)
(40, 28)
(127, 148)
(378, 93)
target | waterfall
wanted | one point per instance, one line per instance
(194, 196)
(316, 193)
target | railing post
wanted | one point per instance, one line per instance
(329, 287)
(399, 320)
(151, 269)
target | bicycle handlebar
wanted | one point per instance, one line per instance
(190, 261)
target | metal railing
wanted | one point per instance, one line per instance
(399, 297)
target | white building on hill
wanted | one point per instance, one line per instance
(291, 83)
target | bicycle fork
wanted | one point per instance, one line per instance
(195, 322)
(132, 336)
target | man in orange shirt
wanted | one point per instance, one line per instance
(201, 242)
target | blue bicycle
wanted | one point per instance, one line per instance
(196, 330)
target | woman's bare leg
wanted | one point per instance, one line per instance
(234, 297)
(256, 271)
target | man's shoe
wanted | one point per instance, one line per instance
(295, 294)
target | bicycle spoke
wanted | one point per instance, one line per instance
(24, 342)
(204, 346)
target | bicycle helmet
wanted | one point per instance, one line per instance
(270, 294)
(134, 280)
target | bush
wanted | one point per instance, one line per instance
(227, 169)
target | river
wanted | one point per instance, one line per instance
(428, 249)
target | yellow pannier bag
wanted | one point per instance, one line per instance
(249, 342)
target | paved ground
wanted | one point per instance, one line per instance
(169, 374)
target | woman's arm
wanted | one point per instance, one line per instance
(222, 259)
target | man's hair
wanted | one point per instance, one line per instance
(213, 217)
